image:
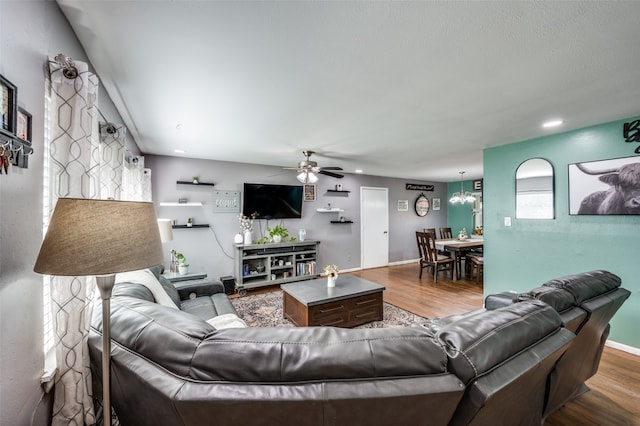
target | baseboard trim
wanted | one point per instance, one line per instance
(624, 348)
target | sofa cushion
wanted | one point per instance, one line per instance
(170, 289)
(558, 298)
(477, 343)
(206, 307)
(587, 285)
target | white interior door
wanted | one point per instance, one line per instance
(374, 227)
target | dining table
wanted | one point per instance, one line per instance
(458, 248)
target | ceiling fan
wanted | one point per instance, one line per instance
(308, 169)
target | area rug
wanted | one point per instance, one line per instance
(265, 310)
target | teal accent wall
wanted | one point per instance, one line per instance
(531, 252)
(460, 215)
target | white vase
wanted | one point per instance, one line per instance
(183, 269)
(248, 237)
(238, 239)
(277, 238)
(331, 281)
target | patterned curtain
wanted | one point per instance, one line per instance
(111, 160)
(72, 169)
(136, 180)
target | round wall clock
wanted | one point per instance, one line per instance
(422, 205)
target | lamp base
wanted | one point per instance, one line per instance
(105, 285)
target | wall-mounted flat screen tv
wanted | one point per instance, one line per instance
(272, 201)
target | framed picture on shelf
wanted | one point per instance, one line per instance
(8, 101)
(23, 125)
(309, 192)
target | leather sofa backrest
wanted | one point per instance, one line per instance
(562, 301)
(586, 285)
(503, 355)
(186, 345)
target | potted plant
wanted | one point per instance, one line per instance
(183, 266)
(189, 222)
(195, 180)
(278, 233)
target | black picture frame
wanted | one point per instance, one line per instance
(603, 187)
(24, 126)
(8, 106)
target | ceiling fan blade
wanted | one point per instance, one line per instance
(331, 168)
(327, 173)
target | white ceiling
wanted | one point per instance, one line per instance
(404, 89)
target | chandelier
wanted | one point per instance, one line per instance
(462, 197)
(307, 176)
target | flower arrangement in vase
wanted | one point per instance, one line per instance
(246, 224)
(331, 271)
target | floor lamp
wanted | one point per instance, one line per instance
(101, 238)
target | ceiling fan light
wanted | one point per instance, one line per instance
(306, 176)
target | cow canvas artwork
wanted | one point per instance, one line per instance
(607, 187)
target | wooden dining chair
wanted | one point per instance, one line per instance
(445, 233)
(429, 257)
(431, 231)
(476, 264)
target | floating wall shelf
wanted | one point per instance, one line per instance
(333, 210)
(202, 225)
(188, 182)
(171, 204)
(335, 191)
(341, 221)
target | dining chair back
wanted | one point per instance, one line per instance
(431, 231)
(445, 233)
(429, 256)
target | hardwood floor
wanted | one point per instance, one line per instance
(614, 398)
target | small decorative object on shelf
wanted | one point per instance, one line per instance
(278, 233)
(342, 218)
(195, 180)
(182, 200)
(302, 233)
(183, 266)
(338, 187)
(247, 226)
(238, 239)
(331, 271)
(189, 222)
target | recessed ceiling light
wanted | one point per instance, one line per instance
(552, 123)
(358, 171)
(179, 126)
(179, 151)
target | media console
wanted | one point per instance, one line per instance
(259, 265)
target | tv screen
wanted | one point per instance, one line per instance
(272, 201)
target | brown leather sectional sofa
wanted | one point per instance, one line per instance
(488, 367)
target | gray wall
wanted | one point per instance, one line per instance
(211, 250)
(30, 31)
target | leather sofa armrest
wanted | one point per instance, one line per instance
(198, 288)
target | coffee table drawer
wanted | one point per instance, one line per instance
(333, 313)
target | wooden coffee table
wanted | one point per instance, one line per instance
(353, 301)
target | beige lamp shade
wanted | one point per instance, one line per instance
(99, 237)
